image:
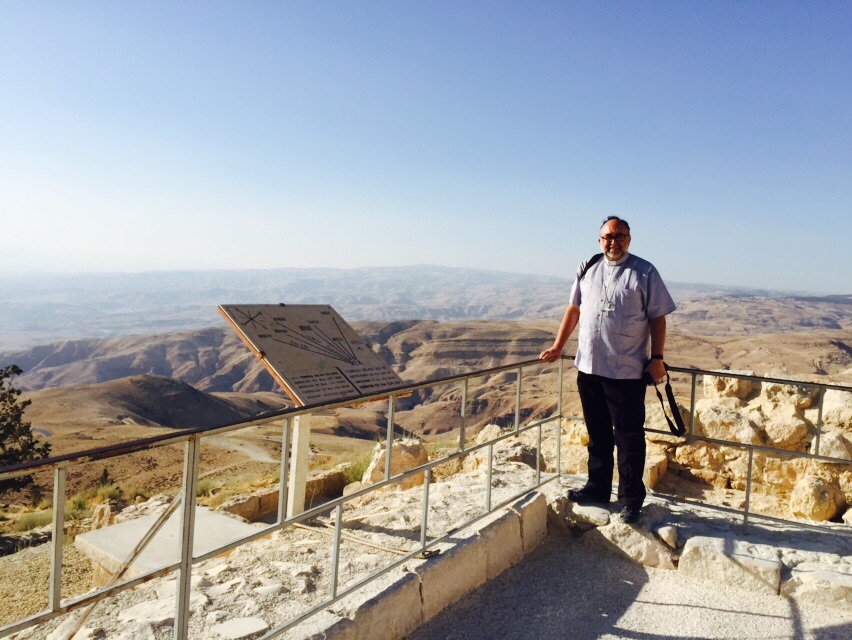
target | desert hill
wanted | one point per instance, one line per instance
(748, 315)
(144, 400)
(800, 335)
(50, 308)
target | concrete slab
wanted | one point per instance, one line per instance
(109, 547)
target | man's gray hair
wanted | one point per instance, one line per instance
(617, 219)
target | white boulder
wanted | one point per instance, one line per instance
(815, 498)
(731, 562)
(405, 454)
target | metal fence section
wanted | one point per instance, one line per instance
(192, 439)
(752, 448)
(186, 500)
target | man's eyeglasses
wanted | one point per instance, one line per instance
(618, 237)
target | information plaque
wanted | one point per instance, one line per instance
(311, 351)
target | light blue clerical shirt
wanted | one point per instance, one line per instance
(617, 300)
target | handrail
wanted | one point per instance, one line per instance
(142, 444)
(721, 373)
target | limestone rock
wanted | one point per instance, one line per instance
(637, 544)
(656, 465)
(580, 514)
(834, 445)
(787, 432)
(574, 432)
(448, 469)
(512, 449)
(157, 612)
(719, 387)
(352, 487)
(815, 498)
(668, 534)
(405, 454)
(723, 423)
(488, 432)
(519, 452)
(773, 394)
(320, 484)
(828, 585)
(837, 410)
(102, 516)
(656, 419)
(731, 562)
(239, 628)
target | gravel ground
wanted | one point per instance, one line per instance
(25, 578)
(565, 590)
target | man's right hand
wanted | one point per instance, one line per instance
(550, 355)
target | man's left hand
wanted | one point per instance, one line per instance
(657, 370)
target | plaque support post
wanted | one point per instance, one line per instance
(301, 451)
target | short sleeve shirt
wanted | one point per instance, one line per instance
(617, 303)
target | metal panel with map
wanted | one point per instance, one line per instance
(311, 351)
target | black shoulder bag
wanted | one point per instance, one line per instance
(677, 427)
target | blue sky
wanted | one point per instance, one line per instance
(182, 135)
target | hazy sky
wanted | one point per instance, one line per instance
(174, 135)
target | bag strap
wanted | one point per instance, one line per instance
(595, 258)
(680, 429)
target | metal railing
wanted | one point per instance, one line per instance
(752, 448)
(191, 440)
(187, 497)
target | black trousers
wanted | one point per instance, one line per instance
(614, 411)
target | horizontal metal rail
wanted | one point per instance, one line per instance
(144, 444)
(754, 378)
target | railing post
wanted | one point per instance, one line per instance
(190, 482)
(691, 405)
(559, 383)
(462, 436)
(58, 538)
(389, 436)
(301, 448)
(518, 400)
(284, 471)
(748, 488)
(559, 419)
(488, 477)
(335, 555)
(819, 420)
(424, 520)
(538, 457)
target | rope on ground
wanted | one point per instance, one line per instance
(353, 538)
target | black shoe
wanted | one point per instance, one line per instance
(629, 515)
(587, 496)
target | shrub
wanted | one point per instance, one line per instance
(355, 471)
(136, 492)
(107, 492)
(205, 488)
(78, 502)
(33, 520)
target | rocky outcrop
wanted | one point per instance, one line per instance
(815, 498)
(405, 454)
(782, 416)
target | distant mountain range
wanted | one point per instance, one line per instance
(36, 309)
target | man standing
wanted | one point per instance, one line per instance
(620, 303)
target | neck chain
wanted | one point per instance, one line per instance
(609, 287)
